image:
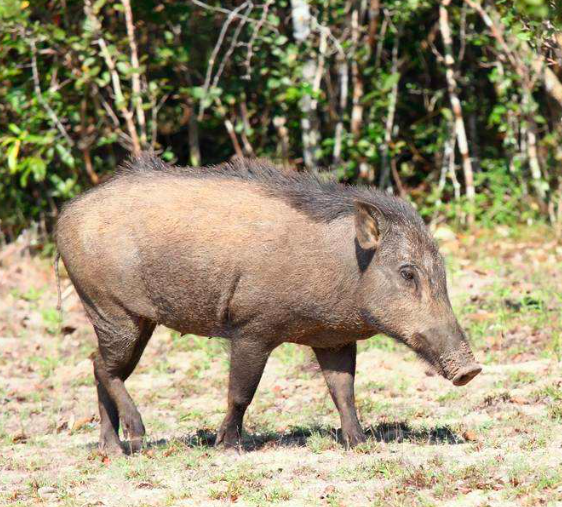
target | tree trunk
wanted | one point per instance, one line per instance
(300, 12)
(344, 87)
(193, 138)
(389, 123)
(357, 78)
(456, 106)
(135, 75)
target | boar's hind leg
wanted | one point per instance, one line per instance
(109, 417)
(121, 344)
(338, 367)
(247, 362)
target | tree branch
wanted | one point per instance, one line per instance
(231, 16)
(255, 33)
(233, 13)
(37, 87)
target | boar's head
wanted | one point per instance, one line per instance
(403, 289)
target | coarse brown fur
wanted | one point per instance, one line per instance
(260, 256)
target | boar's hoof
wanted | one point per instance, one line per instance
(111, 448)
(353, 439)
(133, 431)
(134, 445)
(466, 374)
(229, 439)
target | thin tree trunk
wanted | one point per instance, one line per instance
(229, 128)
(192, 124)
(397, 180)
(115, 79)
(120, 99)
(374, 13)
(344, 87)
(389, 123)
(448, 161)
(232, 134)
(456, 106)
(89, 166)
(356, 76)
(283, 146)
(380, 42)
(135, 75)
(474, 139)
(247, 128)
(523, 151)
(85, 144)
(193, 138)
(532, 152)
(534, 164)
(300, 12)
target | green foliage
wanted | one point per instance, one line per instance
(68, 98)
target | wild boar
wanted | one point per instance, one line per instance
(260, 256)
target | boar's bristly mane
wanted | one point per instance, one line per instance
(322, 199)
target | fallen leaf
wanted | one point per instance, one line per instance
(519, 400)
(480, 272)
(470, 436)
(80, 423)
(20, 437)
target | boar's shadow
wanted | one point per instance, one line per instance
(298, 437)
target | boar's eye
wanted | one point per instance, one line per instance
(407, 273)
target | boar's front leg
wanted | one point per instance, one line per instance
(247, 362)
(338, 367)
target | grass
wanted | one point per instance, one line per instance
(494, 442)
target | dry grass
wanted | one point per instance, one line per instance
(497, 441)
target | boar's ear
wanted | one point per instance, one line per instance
(368, 225)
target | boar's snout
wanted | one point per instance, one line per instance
(466, 374)
(449, 353)
(460, 366)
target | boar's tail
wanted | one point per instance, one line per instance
(59, 295)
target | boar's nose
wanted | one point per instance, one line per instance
(466, 374)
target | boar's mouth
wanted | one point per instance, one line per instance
(466, 374)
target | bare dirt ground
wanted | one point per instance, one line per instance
(495, 442)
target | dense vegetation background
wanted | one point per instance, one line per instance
(455, 105)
